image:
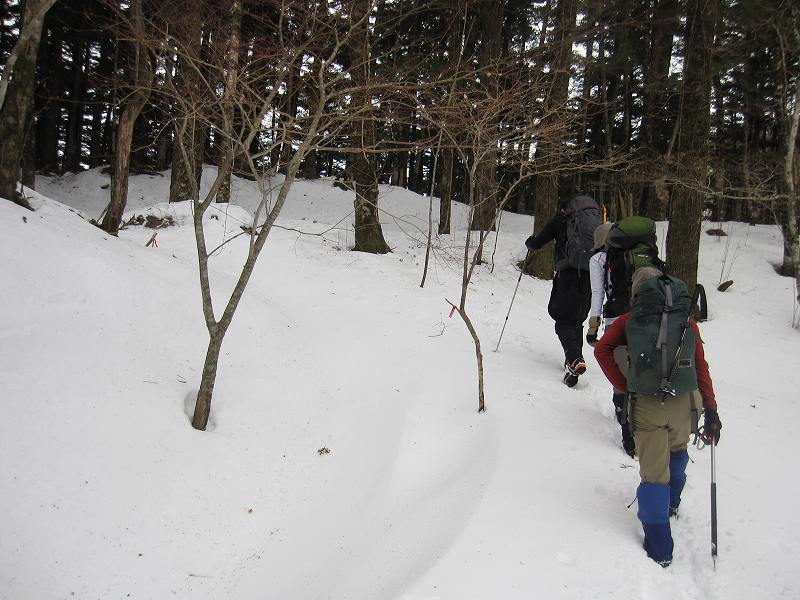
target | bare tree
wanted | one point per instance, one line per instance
(471, 118)
(295, 38)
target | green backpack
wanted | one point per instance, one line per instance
(659, 312)
(631, 244)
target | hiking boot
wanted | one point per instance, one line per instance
(627, 441)
(629, 447)
(572, 371)
(578, 366)
(570, 376)
(661, 563)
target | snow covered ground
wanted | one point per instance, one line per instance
(107, 492)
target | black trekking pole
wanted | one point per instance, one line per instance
(713, 506)
(666, 389)
(521, 271)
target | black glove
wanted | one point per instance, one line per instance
(591, 334)
(711, 426)
(529, 243)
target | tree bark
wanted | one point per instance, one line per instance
(790, 121)
(189, 140)
(446, 191)
(187, 160)
(454, 38)
(202, 407)
(691, 148)
(486, 193)
(47, 124)
(32, 21)
(540, 262)
(228, 125)
(655, 118)
(16, 98)
(368, 232)
(663, 26)
(141, 78)
(74, 139)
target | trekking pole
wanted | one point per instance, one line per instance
(713, 506)
(521, 271)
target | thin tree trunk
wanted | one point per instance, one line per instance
(47, 124)
(189, 140)
(202, 407)
(403, 157)
(446, 190)
(101, 108)
(74, 139)
(478, 356)
(310, 167)
(122, 154)
(586, 88)
(454, 41)
(142, 78)
(486, 196)
(289, 115)
(232, 68)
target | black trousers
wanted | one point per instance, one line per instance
(570, 300)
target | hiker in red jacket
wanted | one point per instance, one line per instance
(661, 423)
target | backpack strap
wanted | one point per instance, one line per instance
(661, 342)
(628, 262)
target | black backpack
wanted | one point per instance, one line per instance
(631, 244)
(582, 217)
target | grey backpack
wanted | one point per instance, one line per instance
(582, 218)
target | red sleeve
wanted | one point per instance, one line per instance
(703, 376)
(613, 336)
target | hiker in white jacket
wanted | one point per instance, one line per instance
(600, 281)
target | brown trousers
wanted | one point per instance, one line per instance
(658, 429)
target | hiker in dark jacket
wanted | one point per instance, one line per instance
(661, 428)
(570, 296)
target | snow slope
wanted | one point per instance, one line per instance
(107, 492)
